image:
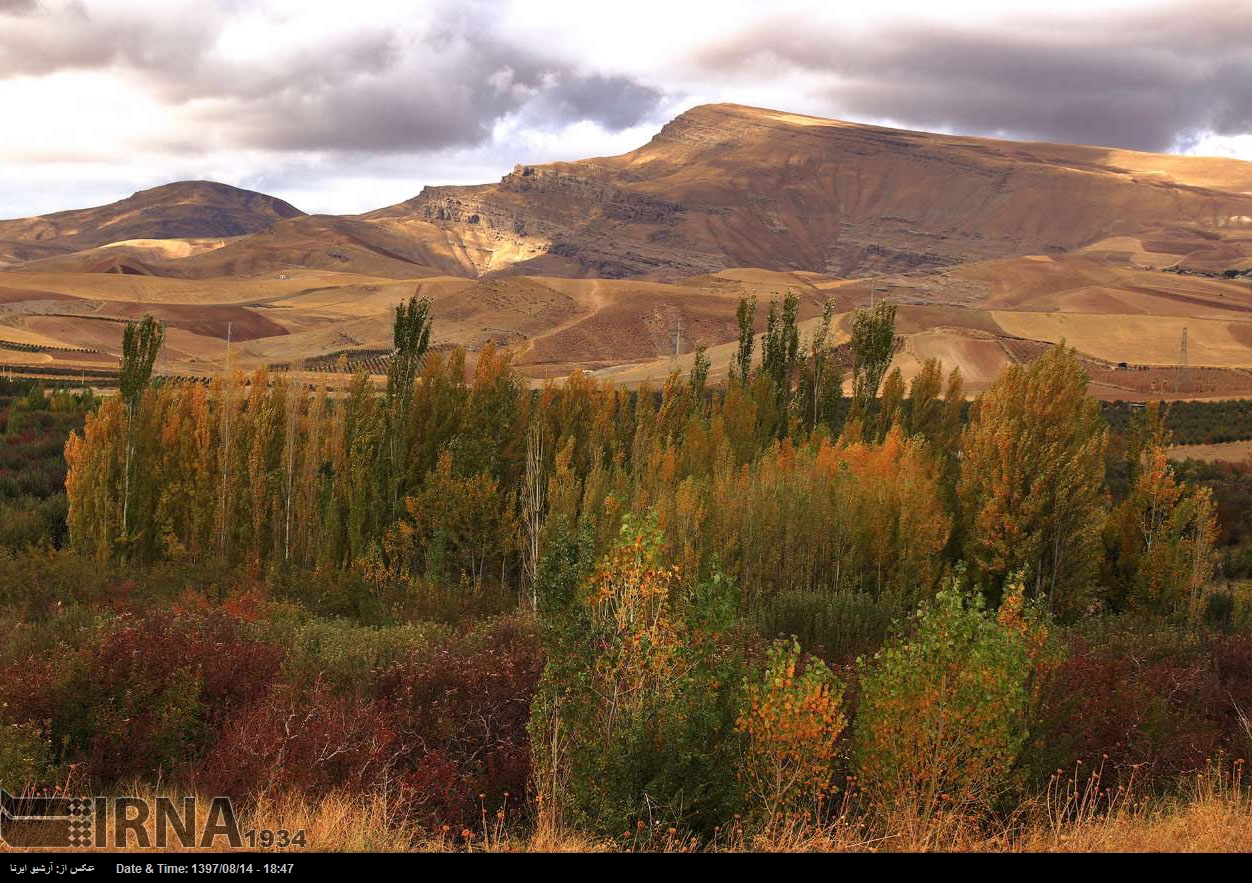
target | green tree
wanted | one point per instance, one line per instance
(780, 356)
(141, 342)
(411, 335)
(945, 705)
(745, 315)
(455, 527)
(873, 345)
(821, 378)
(699, 373)
(781, 345)
(634, 716)
(1161, 540)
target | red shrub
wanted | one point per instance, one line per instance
(446, 727)
(309, 741)
(469, 711)
(1161, 705)
(142, 694)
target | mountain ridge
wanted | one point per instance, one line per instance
(725, 185)
(622, 265)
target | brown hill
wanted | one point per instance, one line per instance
(185, 209)
(729, 186)
(623, 265)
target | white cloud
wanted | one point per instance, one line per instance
(345, 107)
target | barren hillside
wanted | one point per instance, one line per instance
(623, 265)
(185, 209)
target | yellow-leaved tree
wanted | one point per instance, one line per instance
(1161, 548)
(1031, 490)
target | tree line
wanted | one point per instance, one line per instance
(807, 474)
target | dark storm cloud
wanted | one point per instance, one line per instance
(613, 102)
(1147, 79)
(376, 89)
(442, 92)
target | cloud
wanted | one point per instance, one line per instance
(350, 106)
(1149, 78)
(258, 80)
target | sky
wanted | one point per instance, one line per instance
(350, 105)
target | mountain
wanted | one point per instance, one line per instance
(729, 186)
(182, 210)
(990, 249)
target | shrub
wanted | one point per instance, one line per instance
(943, 709)
(838, 625)
(25, 757)
(312, 741)
(634, 716)
(347, 656)
(141, 694)
(460, 717)
(791, 717)
(21, 526)
(438, 729)
(1155, 700)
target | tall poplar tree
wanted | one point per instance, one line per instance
(745, 315)
(141, 342)
(412, 340)
(821, 379)
(873, 345)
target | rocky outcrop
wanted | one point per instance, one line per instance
(728, 186)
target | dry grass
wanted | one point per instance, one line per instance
(1214, 814)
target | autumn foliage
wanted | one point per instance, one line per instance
(791, 717)
(667, 615)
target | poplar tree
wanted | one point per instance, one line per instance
(891, 409)
(781, 346)
(141, 342)
(780, 356)
(533, 495)
(953, 412)
(745, 315)
(925, 417)
(699, 377)
(1161, 538)
(412, 340)
(873, 345)
(821, 380)
(1032, 481)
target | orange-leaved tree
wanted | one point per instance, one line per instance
(791, 717)
(1161, 541)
